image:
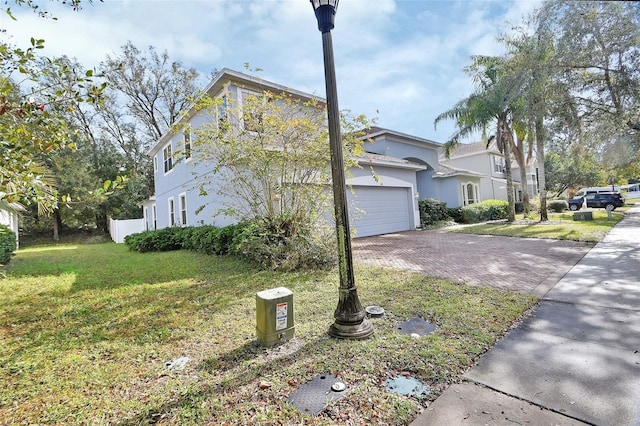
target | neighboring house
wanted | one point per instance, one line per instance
(488, 164)
(9, 215)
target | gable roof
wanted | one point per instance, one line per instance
(219, 82)
(374, 131)
(469, 149)
(445, 171)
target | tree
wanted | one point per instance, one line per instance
(157, 89)
(273, 162)
(597, 57)
(492, 100)
(270, 165)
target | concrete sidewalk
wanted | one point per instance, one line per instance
(575, 361)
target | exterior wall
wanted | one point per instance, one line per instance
(10, 219)
(418, 151)
(493, 185)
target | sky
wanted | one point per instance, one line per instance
(397, 61)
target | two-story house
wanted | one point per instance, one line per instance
(395, 171)
(383, 192)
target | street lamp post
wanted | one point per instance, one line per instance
(350, 319)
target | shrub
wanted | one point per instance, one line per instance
(455, 213)
(7, 244)
(558, 206)
(432, 211)
(485, 210)
(164, 239)
(278, 245)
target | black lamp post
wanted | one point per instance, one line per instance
(350, 319)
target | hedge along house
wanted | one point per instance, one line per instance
(384, 189)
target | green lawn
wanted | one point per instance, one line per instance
(560, 226)
(86, 330)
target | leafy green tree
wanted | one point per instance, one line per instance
(597, 57)
(271, 161)
(573, 169)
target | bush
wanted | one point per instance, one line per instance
(7, 244)
(279, 245)
(165, 239)
(432, 211)
(485, 210)
(455, 213)
(558, 206)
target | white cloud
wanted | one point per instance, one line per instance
(401, 57)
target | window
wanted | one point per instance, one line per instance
(187, 145)
(251, 116)
(183, 209)
(172, 212)
(155, 216)
(223, 108)
(498, 164)
(167, 158)
(469, 193)
(145, 215)
(155, 163)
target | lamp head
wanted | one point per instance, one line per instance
(325, 13)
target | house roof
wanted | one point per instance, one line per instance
(386, 160)
(374, 131)
(445, 171)
(219, 82)
(468, 149)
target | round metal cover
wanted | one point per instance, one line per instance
(374, 311)
(338, 387)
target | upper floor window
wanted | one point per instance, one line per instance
(252, 103)
(498, 164)
(222, 111)
(167, 158)
(155, 163)
(187, 144)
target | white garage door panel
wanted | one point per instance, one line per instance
(379, 210)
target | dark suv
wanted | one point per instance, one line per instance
(601, 200)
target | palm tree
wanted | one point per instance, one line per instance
(493, 100)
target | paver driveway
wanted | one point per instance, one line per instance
(526, 265)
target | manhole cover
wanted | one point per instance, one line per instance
(374, 311)
(407, 386)
(312, 397)
(416, 325)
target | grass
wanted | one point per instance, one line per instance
(86, 331)
(560, 226)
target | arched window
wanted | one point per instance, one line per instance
(470, 193)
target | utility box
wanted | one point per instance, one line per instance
(274, 316)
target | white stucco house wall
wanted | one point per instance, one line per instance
(9, 216)
(488, 164)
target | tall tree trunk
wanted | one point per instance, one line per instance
(504, 133)
(55, 221)
(542, 183)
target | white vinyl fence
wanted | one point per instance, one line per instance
(118, 229)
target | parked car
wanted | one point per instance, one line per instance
(601, 200)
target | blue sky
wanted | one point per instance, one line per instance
(397, 60)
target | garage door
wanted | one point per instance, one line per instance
(379, 210)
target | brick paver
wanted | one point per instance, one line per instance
(525, 265)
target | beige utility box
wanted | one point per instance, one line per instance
(274, 316)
